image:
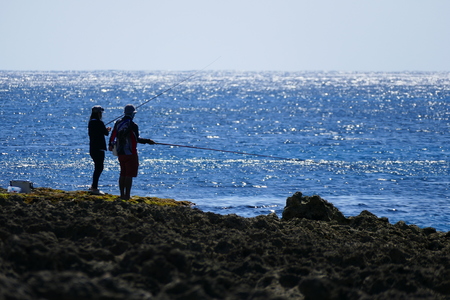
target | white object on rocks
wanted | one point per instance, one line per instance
(24, 185)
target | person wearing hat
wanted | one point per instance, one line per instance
(97, 145)
(125, 137)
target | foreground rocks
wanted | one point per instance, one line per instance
(118, 250)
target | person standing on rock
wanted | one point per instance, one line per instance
(123, 140)
(97, 145)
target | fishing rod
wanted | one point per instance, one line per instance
(166, 90)
(235, 152)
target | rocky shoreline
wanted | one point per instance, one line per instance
(111, 249)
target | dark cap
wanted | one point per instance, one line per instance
(129, 110)
(97, 109)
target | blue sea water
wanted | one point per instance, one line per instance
(364, 141)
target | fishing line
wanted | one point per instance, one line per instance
(202, 148)
(166, 90)
(235, 152)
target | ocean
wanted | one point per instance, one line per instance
(362, 141)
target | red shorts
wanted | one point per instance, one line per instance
(129, 165)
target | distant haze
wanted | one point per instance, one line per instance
(281, 35)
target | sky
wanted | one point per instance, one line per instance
(241, 35)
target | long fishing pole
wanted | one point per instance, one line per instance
(235, 152)
(166, 90)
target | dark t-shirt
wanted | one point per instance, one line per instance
(97, 132)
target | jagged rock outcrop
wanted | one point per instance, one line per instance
(312, 208)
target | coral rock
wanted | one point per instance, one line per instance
(312, 208)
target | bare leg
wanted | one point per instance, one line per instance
(122, 187)
(125, 184)
(128, 183)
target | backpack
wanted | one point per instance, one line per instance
(122, 145)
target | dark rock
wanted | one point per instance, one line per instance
(312, 208)
(114, 250)
(317, 288)
(429, 230)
